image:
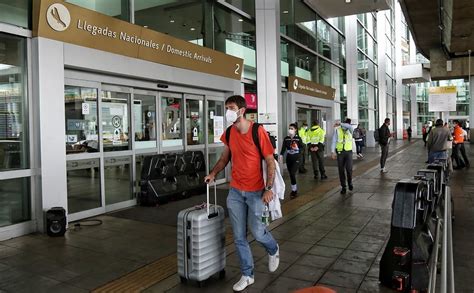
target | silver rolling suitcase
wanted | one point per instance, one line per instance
(201, 241)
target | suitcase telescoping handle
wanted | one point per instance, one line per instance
(209, 216)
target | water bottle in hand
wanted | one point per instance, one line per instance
(266, 216)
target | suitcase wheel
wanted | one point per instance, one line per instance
(222, 275)
(183, 280)
(200, 284)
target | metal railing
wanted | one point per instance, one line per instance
(443, 242)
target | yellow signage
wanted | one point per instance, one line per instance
(69, 23)
(443, 90)
(306, 87)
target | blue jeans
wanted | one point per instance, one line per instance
(432, 156)
(246, 208)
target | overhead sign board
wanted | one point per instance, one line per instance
(442, 99)
(69, 23)
(306, 87)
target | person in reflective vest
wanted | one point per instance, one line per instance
(341, 149)
(316, 137)
(303, 134)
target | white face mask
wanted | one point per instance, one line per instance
(291, 132)
(231, 116)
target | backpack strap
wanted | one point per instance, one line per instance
(255, 137)
(227, 139)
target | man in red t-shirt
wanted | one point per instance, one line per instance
(248, 194)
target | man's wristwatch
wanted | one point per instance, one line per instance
(268, 188)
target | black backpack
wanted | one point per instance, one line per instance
(377, 134)
(256, 141)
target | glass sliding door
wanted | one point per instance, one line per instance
(83, 149)
(117, 129)
(83, 185)
(115, 120)
(194, 120)
(82, 135)
(144, 119)
(215, 128)
(118, 180)
(172, 124)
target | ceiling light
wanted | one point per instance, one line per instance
(348, 1)
(285, 11)
(145, 26)
(172, 21)
(240, 19)
(193, 29)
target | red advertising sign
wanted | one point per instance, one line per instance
(251, 100)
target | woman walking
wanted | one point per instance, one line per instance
(292, 146)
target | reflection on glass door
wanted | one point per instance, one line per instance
(215, 122)
(115, 121)
(144, 110)
(118, 180)
(80, 104)
(215, 128)
(83, 185)
(308, 115)
(172, 120)
(194, 121)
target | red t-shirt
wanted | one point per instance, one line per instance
(246, 160)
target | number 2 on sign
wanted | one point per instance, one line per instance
(237, 68)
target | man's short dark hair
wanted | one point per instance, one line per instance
(439, 122)
(348, 120)
(456, 122)
(315, 122)
(386, 120)
(293, 125)
(238, 100)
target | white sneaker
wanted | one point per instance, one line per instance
(383, 170)
(243, 283)
(361, 155)
(274, 260)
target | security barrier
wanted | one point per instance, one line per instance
(420, 226)
(170, 175)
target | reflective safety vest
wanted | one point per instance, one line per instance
(303, 134)
(344, 140)
(316, 135)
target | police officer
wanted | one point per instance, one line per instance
(341, 148)
(303, 134)
(316, 136)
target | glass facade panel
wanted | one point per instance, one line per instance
(236, 37)
(172, 120)
(363, 94)
(118, 180)
(80, 104)
(15, 205)
(325, 72)
(204, 23)
(305, 64)
(115, 121)
(144, 110)
(215, 120)
(83, 185)
(116, 8)
(194, 122)
(14, 142)
(181, 18)
(247, 6)
(16, 12)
